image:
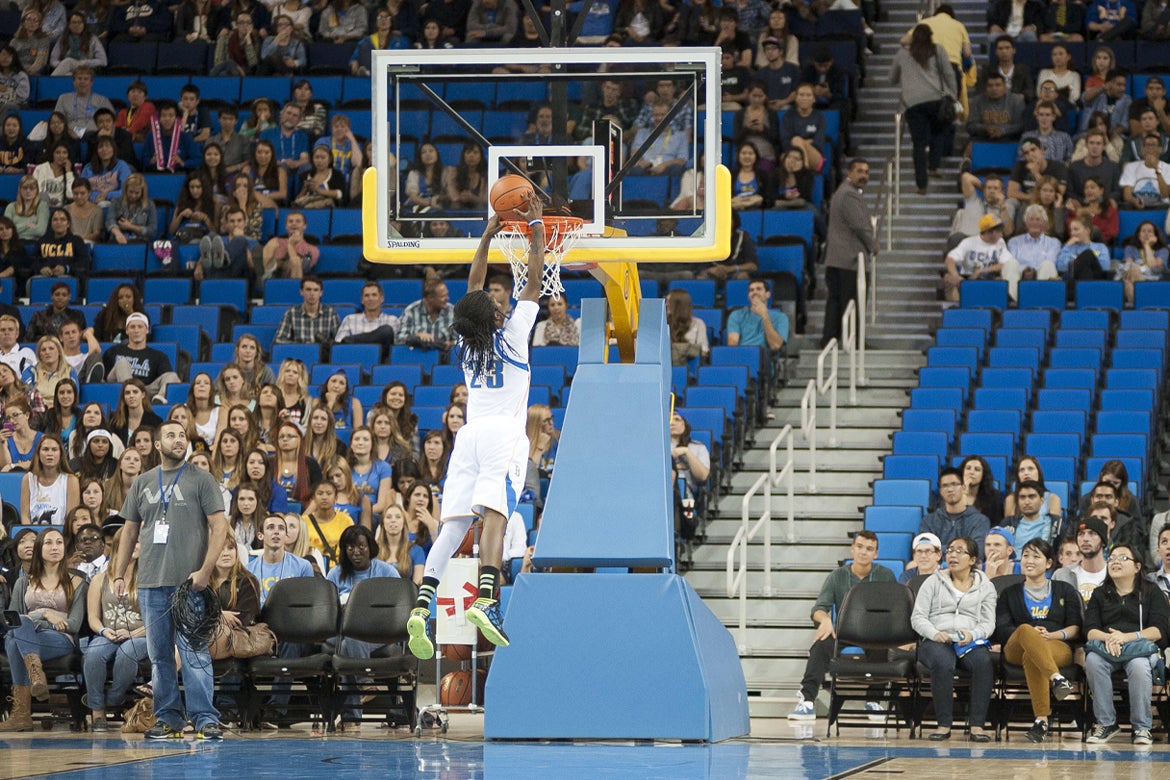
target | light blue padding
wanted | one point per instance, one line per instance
(614, 656)
(609, 502)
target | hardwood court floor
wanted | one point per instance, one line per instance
(776, 750)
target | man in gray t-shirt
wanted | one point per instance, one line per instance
(177, 513)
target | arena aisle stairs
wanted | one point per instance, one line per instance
(779, 629)
(908, 305)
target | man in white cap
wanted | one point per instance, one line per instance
(984, 256)
(927, 551)
(133, 359)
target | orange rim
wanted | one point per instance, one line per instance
(561, 223)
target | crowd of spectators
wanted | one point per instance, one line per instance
(1015, 576)
(1091, 145)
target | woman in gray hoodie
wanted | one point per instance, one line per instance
(955, 615)
(925, 75)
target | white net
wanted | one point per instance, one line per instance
(560, 234)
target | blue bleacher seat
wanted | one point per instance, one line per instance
(548, 356)
(427, 358)
(180, 57)
(797, 222)
(119, 258)
(409, 374)
(1133, 465)
(309, 354)
(98, 290)
(1008, 377)
(1041, 295)
(942, 420)
(1124, 422)
(702, 291)
(937, 398)
(1074, 357)
(985, 156)
(169, 291)
(1120, 445)
(920, 443)
(903, 492)
(1124, 400)
(937, 376)
(911, 467)
(365, 355)
(268, 315)
(205, 316)
(994, 421)
(105, 394)
(1131, 378)
(282, 292)
(966, 357)
(1140, 358)
(988, 445)
(1033, 338)
(963, 337)
(229, 292)
(186, 336)
(1059, 445)
(1100, 295)
(1097, 340)
(402, 292)
(1142, 339)
(1026, 318)
(994, 398)
(1014, 357)
(1083, 378)
(1057, 468)
(345, 222)
(897, 519)
(967, 318)
(1069, 420)
(446, 375)
(983, 294)
(1084, 319)
(1151, 295)
(337, 259)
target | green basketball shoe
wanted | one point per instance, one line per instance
(485, 615)
(416, 625)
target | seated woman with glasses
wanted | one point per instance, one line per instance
(1127, 622)
(1034, 621)
(955, 615)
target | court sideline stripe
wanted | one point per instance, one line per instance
(859, 769)
(91, 767)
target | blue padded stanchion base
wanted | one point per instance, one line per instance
(614, 656)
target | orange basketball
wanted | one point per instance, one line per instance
(456, 652)
(455, 688)
(467, 546)
(510, 193)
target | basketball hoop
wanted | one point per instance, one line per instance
(560, 235)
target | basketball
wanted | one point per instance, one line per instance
(467, 546)
(510, 193)
(456, 652)
(455, 688)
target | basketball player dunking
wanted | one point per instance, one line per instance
(487, 468)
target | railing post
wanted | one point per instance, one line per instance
(861, 306)
(808, 426)
(897, 162)
(849, 340)
(829, 384)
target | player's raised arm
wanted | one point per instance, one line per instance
(478, 273)
(532, 216)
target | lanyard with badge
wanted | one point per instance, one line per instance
(162, 528)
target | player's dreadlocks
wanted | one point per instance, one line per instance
(475, 322)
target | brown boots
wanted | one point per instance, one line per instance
(20, 719)
(36, 677)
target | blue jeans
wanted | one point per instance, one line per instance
(125, 657)
(198, 679)
(47, 644)
(1138, 674)
(355, 648)
(282, 685)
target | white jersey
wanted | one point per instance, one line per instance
(502, 391)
